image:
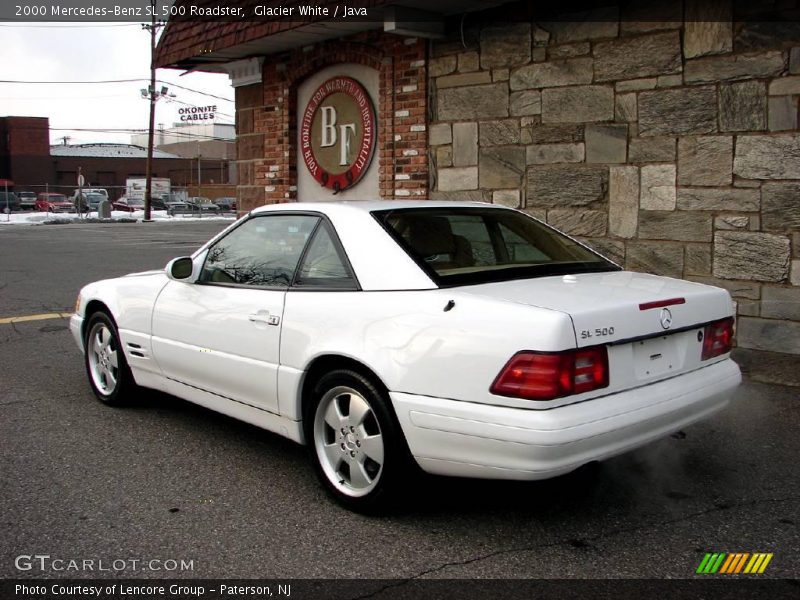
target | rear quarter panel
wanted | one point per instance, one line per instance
(412, 344)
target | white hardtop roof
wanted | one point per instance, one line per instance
(377, 259)
(371, 205)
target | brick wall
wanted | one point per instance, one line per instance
(266, 117)
(25, 150)
(28, 136)
(671, 147)
(112, 172)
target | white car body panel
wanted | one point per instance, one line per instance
(130, 300)
(411, 341)
(615, 302)
(201, 331)
(211, 344)
(455, 438)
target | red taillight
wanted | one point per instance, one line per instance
(717, 338)
(548, 375)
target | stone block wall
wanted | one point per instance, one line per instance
(266, 117)
(672, 147)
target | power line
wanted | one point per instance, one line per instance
(171, 131)
(180, 87)
(83, 98)
(74, 82)
(182, 134)
(108, 81)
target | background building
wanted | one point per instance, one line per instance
(208, 140)
(28, 159)
(25, 149)
(664, 135)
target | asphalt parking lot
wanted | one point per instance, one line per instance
(169, 480)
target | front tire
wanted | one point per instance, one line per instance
(108, 371)
(354, 441)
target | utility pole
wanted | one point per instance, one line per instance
(149, 171)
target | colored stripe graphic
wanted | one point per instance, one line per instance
(703, 563)
(758, 563)
(741, 562)
(718, 563)
(711, 563)
(726, 566)
(734, 563)
(764, 564)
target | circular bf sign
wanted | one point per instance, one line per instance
(337, 133)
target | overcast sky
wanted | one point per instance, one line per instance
(87, 52)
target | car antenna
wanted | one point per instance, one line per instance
(449, 306)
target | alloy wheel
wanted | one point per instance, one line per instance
(348, 441)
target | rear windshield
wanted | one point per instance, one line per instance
(458, 246)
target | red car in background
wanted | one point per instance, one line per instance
(128, 204)
(52, 202)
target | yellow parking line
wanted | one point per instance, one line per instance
(41, 317)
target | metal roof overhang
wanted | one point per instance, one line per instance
(406, 17)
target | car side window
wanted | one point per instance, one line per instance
(324, 264)
(263, 251)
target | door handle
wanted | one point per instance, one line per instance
(263, 316)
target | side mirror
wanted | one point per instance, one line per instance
(180, 269)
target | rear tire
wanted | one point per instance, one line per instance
(104, 358)
(355, 442)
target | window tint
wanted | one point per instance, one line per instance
(519, 249)
(473, 245)
(263, 251)
(473, 229)
(324, 265)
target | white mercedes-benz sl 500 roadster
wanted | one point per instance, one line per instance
(463, 338)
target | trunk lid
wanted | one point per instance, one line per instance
(625, 311)
(605, 307)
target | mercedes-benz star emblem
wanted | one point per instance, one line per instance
(666, 318)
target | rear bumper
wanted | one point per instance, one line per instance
(449, 437)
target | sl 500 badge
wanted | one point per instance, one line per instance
(599, 332)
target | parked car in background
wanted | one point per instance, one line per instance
(203, 204)
(175, 207)
(226, 203)
(128, 204)
(90, 200)
(27, 200)
(175, 196)
(468, 338)
(53, 202)
(156, 203)
(8, 201)
(102, 191)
